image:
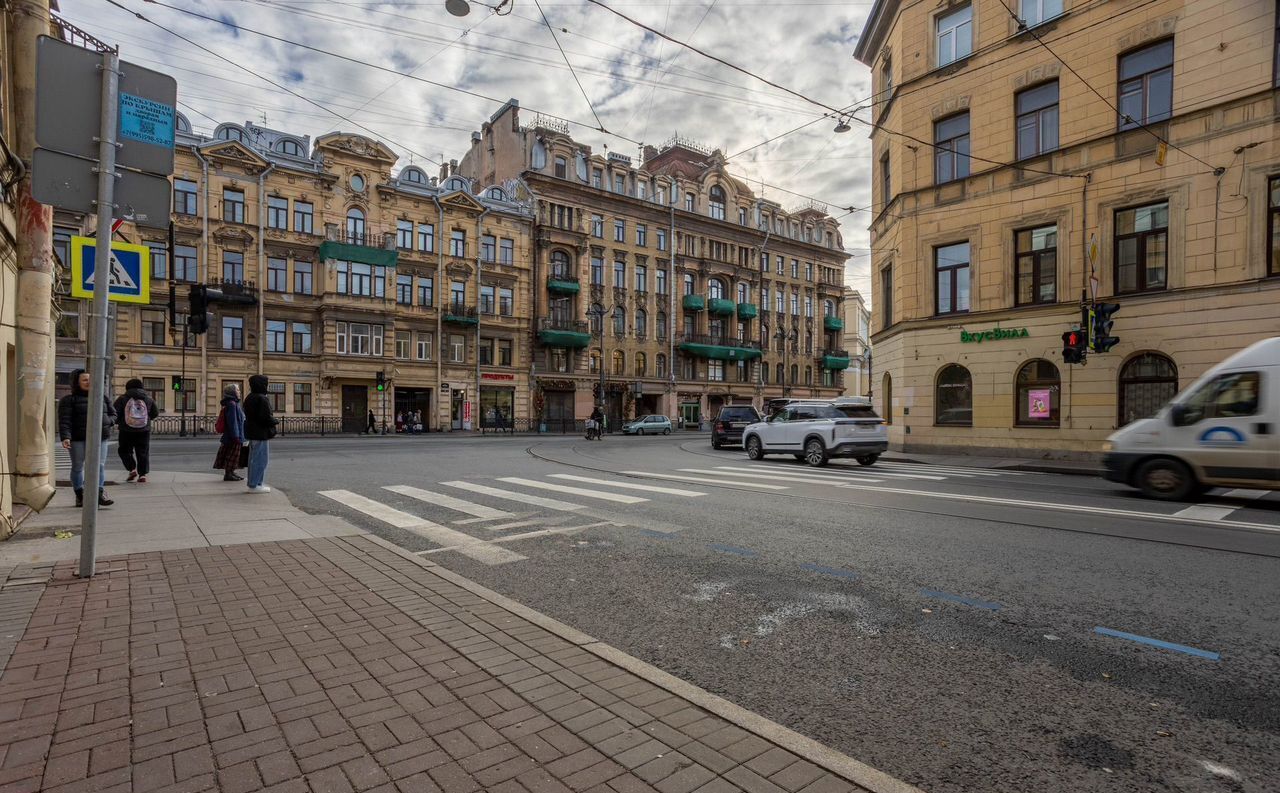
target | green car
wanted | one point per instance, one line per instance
(648, 425)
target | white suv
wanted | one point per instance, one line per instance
(815, 431)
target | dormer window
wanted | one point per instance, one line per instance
(230, 133)
(413, 176)
(289, 147)
(716, 202)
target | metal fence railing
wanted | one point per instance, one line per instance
(548, 426)
(289, 425)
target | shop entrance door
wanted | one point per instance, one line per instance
(455, 409)
(355, 408)
(690, 414)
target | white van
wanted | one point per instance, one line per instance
(1223, 430)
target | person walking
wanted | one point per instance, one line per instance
(373, 424)
(597, 422)
(73, 423)
(232, 420)
(136, 410)
(259, 428)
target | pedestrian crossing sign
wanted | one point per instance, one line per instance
(130, 271)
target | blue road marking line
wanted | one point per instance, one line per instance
(657, 535)
(982, 604)
(1178, 648)
(835, 571)
(715, 546)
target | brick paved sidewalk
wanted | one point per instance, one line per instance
(342, 665)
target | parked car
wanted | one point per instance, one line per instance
(1220, 431)
(815, 432)
(730, 423)
(648, 425)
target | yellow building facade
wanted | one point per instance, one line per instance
(1143, 171)
(665, 286)
(337, 267)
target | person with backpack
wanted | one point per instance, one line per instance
(259, 428)
(73, 423)
(231, 424)
(136, 410)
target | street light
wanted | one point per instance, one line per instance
(460, 8)
(599, 312)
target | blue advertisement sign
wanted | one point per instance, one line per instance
(146, 121)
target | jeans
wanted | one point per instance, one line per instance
(135, 451)
(257, 462)
(77, 465)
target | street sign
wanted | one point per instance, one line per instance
(68, 182)
(129, 271)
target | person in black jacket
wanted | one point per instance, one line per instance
(259, 428)
(73, 422)
(136, 410)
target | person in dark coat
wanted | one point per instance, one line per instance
(373, 424)
(136, 410)
(259, 428)
(228, 458)
(73, 423)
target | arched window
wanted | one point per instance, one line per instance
(886, 398)
(715, 288)
(641, 364)
(660, 365)
(953, 397)
(594, 362)
(496, 194)
(661, 328)
(715, 200)
(455, 184)
(559, 264)
(688, 283)
(808, 375)
(413, 176)
(619, 322)
(229, 132)
(808, 342)
(619, 363)
(744, 293)
(596, 313)
(764, 373)
(183, 124)
(1037, 389)
(290, 147)
(642, 323)
(355, 226)
(1147, 381)
(795, 373)
(828, 308)
(780, 374)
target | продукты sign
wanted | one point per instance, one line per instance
(995, 334)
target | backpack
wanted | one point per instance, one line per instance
(220, 426)
(136, 415)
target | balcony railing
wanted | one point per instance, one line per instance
(461, 314)
(556, 323)
(718, 341)
(172, 424)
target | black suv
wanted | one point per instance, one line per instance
(728, 427)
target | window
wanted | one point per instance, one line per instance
(232, 205)
(597, 271)
(640, 365)
(780, 301)
(159, 255)
(457, 295)
(458, 242)
(1037, 265)
(642, 190)
(744, 293)
(1037, 388)
(506, 251)
(1147, 382)
(715, 202)
(155, 388)
(1037, 124)
(593, 362)
(951, 157)
(1142, 248)
(427, 237)
(596, 315)
(422, 349)
(597, 178)
(152, 327)
(560, 265)
(715, 370)
(795, 370)
(302, 278)
(1229, 395)
(559, 359)
(561, 168)
(301, 338)
(355, 226)
(275, 393)
(404, 290)
(953, 397)
(485, 349)
(276, 336)
(955, 35)
(808, 343)
(618, 363)
(404, 234)
(277, 212)
(660, 281)
(661, 327)
(360, 279)
(886, 191)
(620, 275)
(808, 271)
(1273, 227)
(688, 283)
(742, 371)
(795, 304)
(184, 197)
(886, 79)
(1146, 85)
(488, 248)
(184, 263)
(688, 202)
(619, 322)
(886, 295)
(642, 323)
(642, 278)
(951, 273)
(715, 288)
(808, 306)
(619, 231)
(742, 216)
(506, 300)
(486, 299)
(660, 365)
(764, 297)
(808, 375)
(597, 226)
(829, 309)
(277, 274)
(504, 352)
(781, 265)
(359, 338)
(232, 266)
(301, 397)
(662, 239)
(642, 235)
(795, 268)
(1036, 11)
(233, 333)
(426, 290)
(303, 217)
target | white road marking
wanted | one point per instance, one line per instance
(796, 477)
(617, 498)
(954, 469)
(836, 475)
(705, 480)
(465, 544)
(1206, 511)
(1249, 494)
(674, 491)
(537, 501)
(519, 524)
(449, 502)
(526, 536)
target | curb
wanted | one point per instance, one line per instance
(805, 748)
(1029, 467)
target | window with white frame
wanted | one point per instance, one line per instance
(1036, 11)
(359, 338)
(955, 35)
(422, 346)
(361, 280)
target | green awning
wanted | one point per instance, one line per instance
(747, 311)
(461, 319)
(719, 353)
(835, 362)
(564, 338)
(358, 253)
(832, 323)
(718, 305)
(564, 287)
(694, 302)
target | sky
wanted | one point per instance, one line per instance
(639, 86)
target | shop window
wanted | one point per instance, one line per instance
(1037, 390)
(1147, 382)
(953, 397)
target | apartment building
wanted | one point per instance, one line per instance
(857, 341)
(665, 285)
(1123, 151)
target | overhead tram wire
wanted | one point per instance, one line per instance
(572, 71)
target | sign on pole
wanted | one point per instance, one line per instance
(129, 271)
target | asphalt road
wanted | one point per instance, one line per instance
(961, 629)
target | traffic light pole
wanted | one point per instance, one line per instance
(182, 387)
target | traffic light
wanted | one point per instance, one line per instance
(1103, 341)
(175, 382)
(382, 381)
(1074, 346)
(197, 310)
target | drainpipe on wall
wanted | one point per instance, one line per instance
(435, 292)
(764, 309)
(262, 262)
(203, 277)
(475, 414)
(534, 421)
(672, 317)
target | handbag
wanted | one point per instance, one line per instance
(243, 462)
(220, 426)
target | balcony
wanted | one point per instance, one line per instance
(832, 322)
(720, 348)
(747, 311)
(571, 334)
(459, 314)
(693, 302)
(366, 248)
(722, 307)
(563, 284)
(835, 359)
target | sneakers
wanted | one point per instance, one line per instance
(142, 480)
(134, 475)
(103, 501)
(260, 489)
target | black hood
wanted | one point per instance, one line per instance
(258, 384)
(75, 383)
(137, 393)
